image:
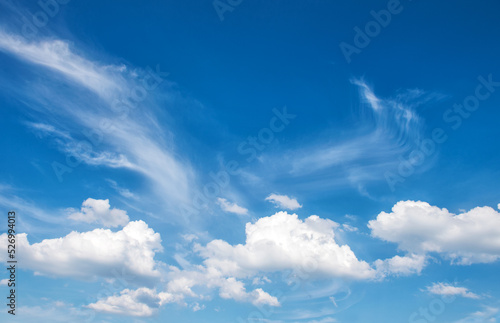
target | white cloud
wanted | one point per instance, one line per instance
(97, 253)
(231, 207)
(349, 228)
(283, 241)
(122, 191)
(196, 307)
(489, 314)
(50, 310)
(260, 280)
(417, 227)
(401, 266)
(141, 302)
(284, 201)
(99, 211)
(46, 129)
(4, 282)
(189, 237)
(234, 289)
(385, 129)
(182, 282)
(276, 243)
(450, 290)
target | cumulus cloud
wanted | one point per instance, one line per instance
(450, 290)
(4, 282)
(417, 227)
(283, 241)
(97, 253)
(231, 207)
(99, 211)
(401, 266)
(283, 201)
(141, 302)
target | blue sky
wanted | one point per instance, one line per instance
(251, 161)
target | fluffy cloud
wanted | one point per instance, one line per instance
(400, 266)
(284, 202)
(417, 227)
(283, 241)
(97, 253)
(450, 290)
(140, 302)
(231, 207)
(182, 282)
(234, 289)
(99, 211)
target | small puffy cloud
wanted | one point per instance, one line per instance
(450, 290)
(348, 228)
(401, 266)
(189, 237)
(260, 280)
(231, 207)
(283, 242)
(96, 253)
(234, 289)
(417, 227)
(99, 211)
(4, 282)
(284, 202)
(196, 307)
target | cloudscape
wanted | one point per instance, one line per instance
(249, 161)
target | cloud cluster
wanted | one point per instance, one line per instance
(283, 241)
(99, 211)
(96, 253)
(417, 227)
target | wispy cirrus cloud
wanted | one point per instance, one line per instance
(101, 114)
(384, 129)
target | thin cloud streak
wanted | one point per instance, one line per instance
(133, 139)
